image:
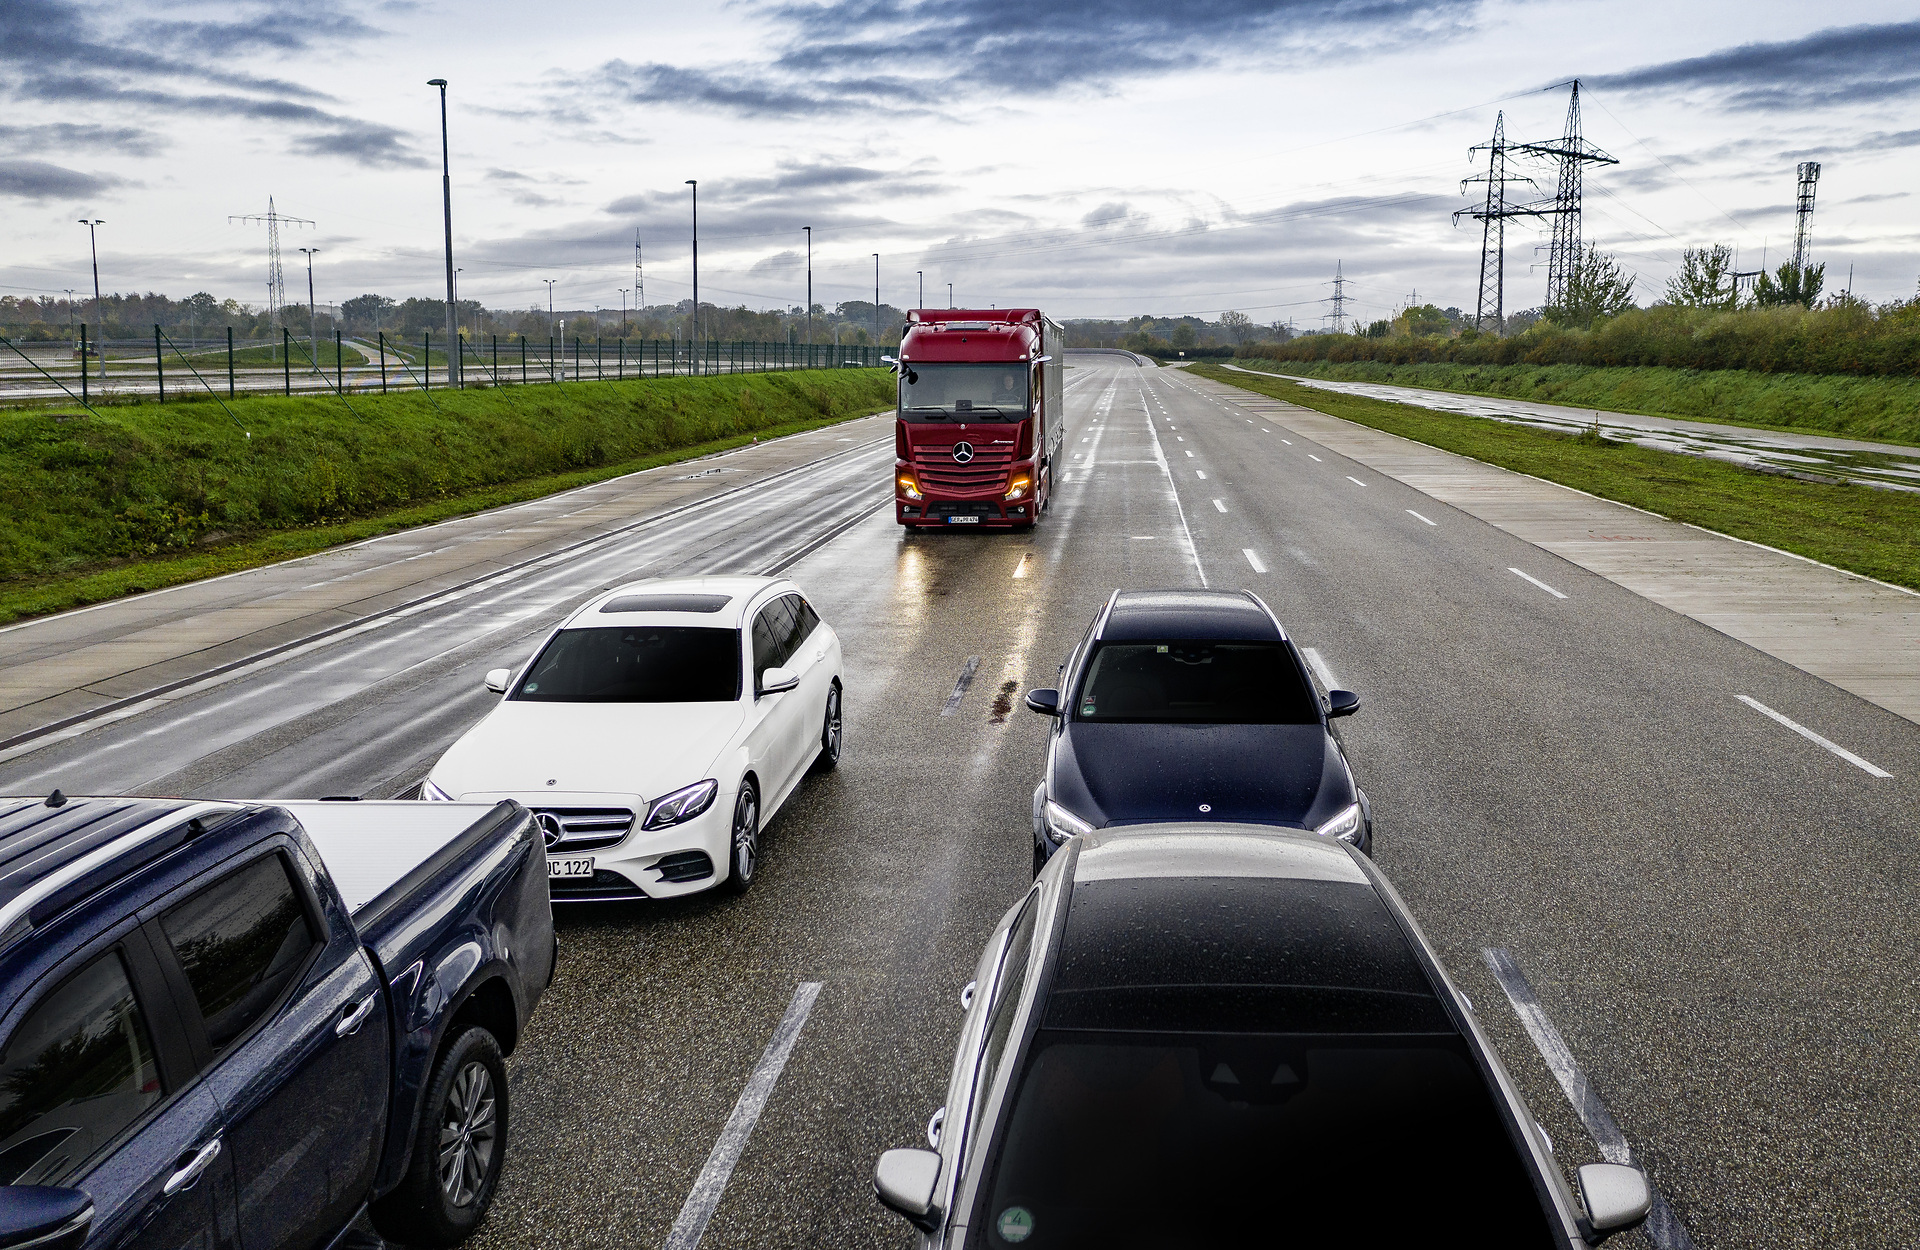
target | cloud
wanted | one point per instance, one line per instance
(1841, 65)
(38, 180)
(65, 136)
(846, 57)
(59, 52)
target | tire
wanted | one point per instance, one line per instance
(743, 843)
(458, 1149)
(832, 733)
(1039, 859)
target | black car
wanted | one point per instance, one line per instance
(1193, 705)
(1227, 1035)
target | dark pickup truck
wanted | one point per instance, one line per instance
(248, 1025)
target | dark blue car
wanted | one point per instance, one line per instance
(1193, 705)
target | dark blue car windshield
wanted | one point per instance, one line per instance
(1203, 683)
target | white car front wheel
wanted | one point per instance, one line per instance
(743, 844)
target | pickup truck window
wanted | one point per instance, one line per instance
(241, 942)
(77, 1071)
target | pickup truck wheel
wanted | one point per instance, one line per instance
(743, 853)
(458, 1150)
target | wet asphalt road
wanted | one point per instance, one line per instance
(1714, 912)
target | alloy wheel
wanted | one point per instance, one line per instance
(468, 1134)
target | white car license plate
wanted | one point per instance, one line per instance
(963, 520)
(578, 866)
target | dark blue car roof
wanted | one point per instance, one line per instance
(1159, 615)
(36, 840)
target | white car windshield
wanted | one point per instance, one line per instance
(636, 664)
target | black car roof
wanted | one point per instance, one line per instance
(1158, 615)
(37, 840)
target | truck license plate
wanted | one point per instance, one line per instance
(963, 520)
(581, 866)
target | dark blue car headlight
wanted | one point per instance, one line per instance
(1062, 824)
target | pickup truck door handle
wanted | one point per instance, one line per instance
(186, 1176)
(355, 1017)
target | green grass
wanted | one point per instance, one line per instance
(1875, 532)
(1885, 409)
(145, 495)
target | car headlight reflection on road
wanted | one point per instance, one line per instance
(681, 805)
(433, 793)
(1345, 825)
(1063, 824)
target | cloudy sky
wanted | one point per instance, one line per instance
(1096, 159)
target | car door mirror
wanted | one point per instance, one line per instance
(44, 1217)
(775, 680)
(1342, 703)
(1616, 1196)
(903, 1180)
(1046, 702)
(497, 679)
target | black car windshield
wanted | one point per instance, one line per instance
(1119, 1140)
(1204, 683)
(642, 664)
(996, 392)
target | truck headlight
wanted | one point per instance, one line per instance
(1019, 487)
(682, 805)
(433, 793)
(1345, 825)
(1062, 824)
(909, 487)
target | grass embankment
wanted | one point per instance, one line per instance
(1875, 532)
(147, 495)
(1875, 408)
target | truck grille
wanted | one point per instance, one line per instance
(985, 473)
(582, 828)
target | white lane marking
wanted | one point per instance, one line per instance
(1253, 559)
(1201, 474)
(1536, 581)
(965, 679)
(1287, 441)
(1813, 737)
(1356, 481)
(1026, 562)
(1311, 456)
(712, 1181)
(1321, 669)
(1416, 516)
(1220, 505)
(1177, 438)
(1663, 1227)
(1189, 453)
(1066, 477)
(1173, 493)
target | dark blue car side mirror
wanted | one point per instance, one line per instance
(1046, 702)
(43, 1217)
(1339, 703)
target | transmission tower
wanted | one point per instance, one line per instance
(1339, 298)
(1574, 154)
(1492, 217)
(276, 281)
(1803, 214)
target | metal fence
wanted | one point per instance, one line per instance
(162, 368)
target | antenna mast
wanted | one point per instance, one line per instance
(1803, 213)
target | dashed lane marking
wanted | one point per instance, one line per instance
(1315, 458)
(1536, 581)
(1253, 559)
(965, 680)
(1356, 481)
(1863, 765)
(1416, 516)
(1221, 506)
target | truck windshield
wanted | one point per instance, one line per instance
(996, 392)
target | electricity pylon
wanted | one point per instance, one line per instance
(1574, 154)
(1493, 218)
(276, 280)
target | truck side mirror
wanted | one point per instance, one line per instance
(903, 1180)
(44, 1217)
(1046, 702)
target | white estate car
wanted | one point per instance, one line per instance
(656, 731)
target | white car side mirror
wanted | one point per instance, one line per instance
(775, 680)
(497, 679)
(903, 1180)
(1616, 1196)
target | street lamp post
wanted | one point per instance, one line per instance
(313, 314)
(549, 282)
(921, 273)
(694, 337)
(446, 204)
(876, 301)
(93, 242)
(623, 310)
(809, 230)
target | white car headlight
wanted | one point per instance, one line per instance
(681, 805)
(1063, 824)
(433, 793)
(1345, 825)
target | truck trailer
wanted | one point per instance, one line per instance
(981, 417)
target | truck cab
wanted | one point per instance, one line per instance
(981, 417)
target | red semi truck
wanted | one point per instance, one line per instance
(981, 417)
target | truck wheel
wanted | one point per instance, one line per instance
(743, 845)
(457, 1151)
